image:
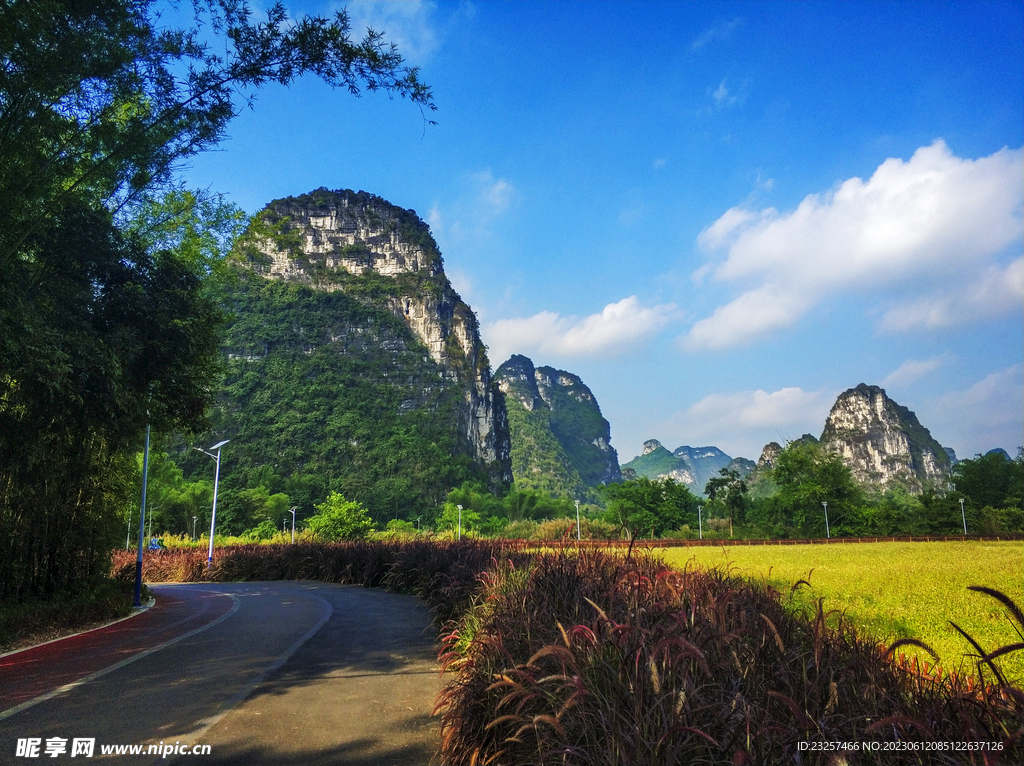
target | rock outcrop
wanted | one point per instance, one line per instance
(768, 455)
(560, 440)
(883, 442)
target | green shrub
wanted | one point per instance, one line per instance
(339, 519)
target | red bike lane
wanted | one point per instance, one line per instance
(43, 669)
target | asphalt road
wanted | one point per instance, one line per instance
(279, 673)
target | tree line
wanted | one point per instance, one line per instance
(807, 493)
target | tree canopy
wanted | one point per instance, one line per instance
(808, 477)
(339, 519)
(642, 506)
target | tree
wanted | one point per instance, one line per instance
(339, 519)
(807, 477)
(100, 337)
(729, 490)
(992, 479)
(642, 506)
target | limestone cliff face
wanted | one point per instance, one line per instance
(883, 442)
(768, 455)
(560, 440)
(361, 244)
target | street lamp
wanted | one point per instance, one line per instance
(700, 522)
(216, 481)
(964, 515)
(293, 509)
(194, 520)
(828, 535)
(577, 521)
(460, 520)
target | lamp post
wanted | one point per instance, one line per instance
(460, 520)
(577, 521)
(828, 535)
(293, 509)
(194, 520)
(964, 515)
(142, 522)
(216, 481)
(700, 521)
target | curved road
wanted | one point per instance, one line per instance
(280, 673)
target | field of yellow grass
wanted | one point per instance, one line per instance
(894, 590)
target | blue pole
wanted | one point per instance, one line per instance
(142, 523)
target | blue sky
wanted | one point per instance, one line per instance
(720, 215)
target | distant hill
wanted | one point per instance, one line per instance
(560, 440)
(692, 466)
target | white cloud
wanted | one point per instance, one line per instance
(741, 423)
(718, 233)
(719, 31)
(494, 193)
(755, 312)
(435, 220)
(994, 292)
(410, 25)
(984, 416)
(935, 224)
(461, 281)
(913, 370)
(618, 328)
(723, 97)
(468, 217)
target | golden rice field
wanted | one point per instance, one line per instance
(895, 590)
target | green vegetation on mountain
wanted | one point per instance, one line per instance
(658, 462)
(559, 437)
(326, 392)
(539, 459)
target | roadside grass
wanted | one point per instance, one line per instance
(593, 658)
(894, 590)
